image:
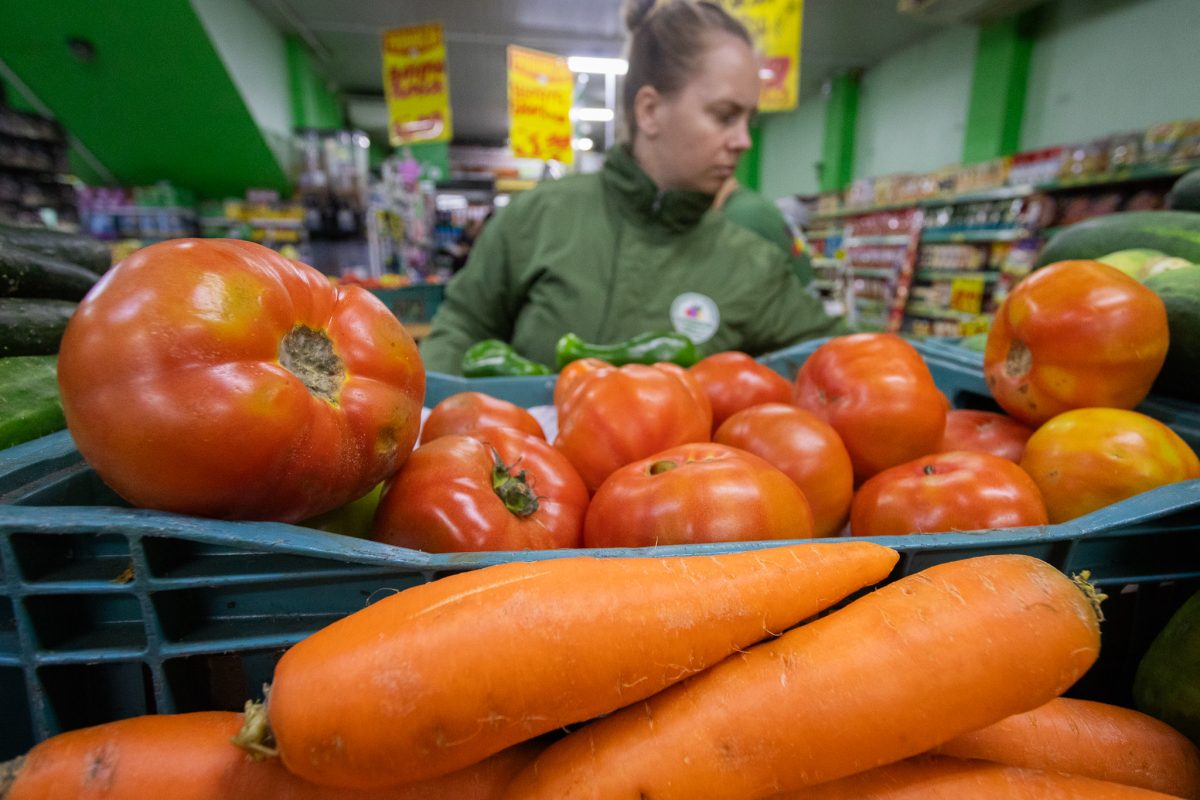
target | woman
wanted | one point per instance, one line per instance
(636, 247)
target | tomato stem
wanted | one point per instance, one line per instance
(928, 469)
(512, 488)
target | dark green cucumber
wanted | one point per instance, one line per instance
(74, 248)
(32, 326)
(27, 273)
(1185, 194)
(29, 402)
(1176, 233)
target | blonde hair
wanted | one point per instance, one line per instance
(667, 40)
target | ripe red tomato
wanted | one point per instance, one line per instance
(734, 381)
(692, 493)
(618, 415)
(1086, 459)
(984, 432)
(216, 377)
(1076, 334)
(877, 393)
(947, 492)
(805, 449)
(568, 378)
(453, 496)
(470, 411)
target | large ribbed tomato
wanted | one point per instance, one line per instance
(1075, 334)
(617, 415)
(877, 393)
(805, 449)
(699, 492)
(944, 492)
(216, 377)
(494, 489)
(1088, 458)
(471, 411)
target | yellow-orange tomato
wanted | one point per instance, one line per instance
(1076, 334)
(1089, 458)
(804, 448)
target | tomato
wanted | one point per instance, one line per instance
(878, 394)
(468, 411)
(216, 377)
(1089, 458)
(496, 489)
(805, 449)
(699, 492)
(945, 492)
(1076, 334)
(568, 378)
(734, 381)
(984, 432)
(618, 415)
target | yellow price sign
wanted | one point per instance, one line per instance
(775, 27)
(540, 90)
(416, 86)
(966, 294)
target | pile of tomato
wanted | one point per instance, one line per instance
(220, 379)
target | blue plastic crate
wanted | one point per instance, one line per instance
(109, 612)
(416, 303)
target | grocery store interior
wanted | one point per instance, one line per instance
(266, 119)
(236, 234)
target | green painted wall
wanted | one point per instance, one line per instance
(156, 101)
(748, 172)
(838, 142)
(913, 107)
(998, 87)
(1102, 66)
(793, 141)
(314, 104)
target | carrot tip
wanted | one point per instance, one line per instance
(1094, 596)
(9, 770)
(255, 737)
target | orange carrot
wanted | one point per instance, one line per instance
(444, 674)
(1084, 737)
(933, 655)
(932, 778)
(190, 757)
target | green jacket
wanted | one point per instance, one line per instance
(608, 256)
(753, 211)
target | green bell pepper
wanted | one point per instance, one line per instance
(492, 358)
(645, 348)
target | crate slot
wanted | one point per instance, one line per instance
(219, 681)
(66, 558)
(190, 561)
(77, 485)
(10, 645)
(16, 734)
(266, 613)
(80, 695)
(1148, 551)
(103, 623)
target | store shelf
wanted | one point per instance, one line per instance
(1140, 172)
(987, 276)
(981, 196)
(869, 304)
(860, 211)
(873, 272)
(933, 312)
(821, 283)
(933, 235)
(823, 233)
(821, 262)
(897, 240)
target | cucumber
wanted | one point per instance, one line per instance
(1176, 233)
(32, 326)
(1165, 684)
(29, 402)
(83, 251)
(1179, 290)
(1185, 194)
(26, 273)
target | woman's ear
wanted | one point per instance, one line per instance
(647, 109)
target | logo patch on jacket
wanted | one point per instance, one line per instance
(696, 316)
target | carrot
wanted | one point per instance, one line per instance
(932, 778)
(933, 655)
(1084, 737)
(190, 757)
(444, 674)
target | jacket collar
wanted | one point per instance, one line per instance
(640, 199)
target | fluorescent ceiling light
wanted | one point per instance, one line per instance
(604, 66)
(592, 114)
(584, 143)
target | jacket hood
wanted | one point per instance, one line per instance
(639, 198)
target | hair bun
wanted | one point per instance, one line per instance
(636, 12)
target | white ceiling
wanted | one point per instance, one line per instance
(345, 37)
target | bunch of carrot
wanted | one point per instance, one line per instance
(692, 677)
